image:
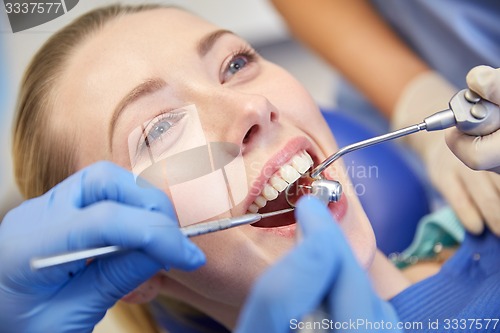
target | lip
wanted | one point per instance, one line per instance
(279, 159)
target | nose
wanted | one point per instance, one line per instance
(245, 119)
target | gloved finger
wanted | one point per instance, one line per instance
(94, 290)
(484, 193)
(456, 194)
(106, 181)
(298, 283)
(111, 223)
(485, 81)
(478, 153)
(352, 283)
(106, 280)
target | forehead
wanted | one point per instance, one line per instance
(149, 30)
(139, 35)
(139, 43)
(127, 50)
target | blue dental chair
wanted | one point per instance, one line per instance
(389, 187)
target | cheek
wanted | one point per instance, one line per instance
(298, 108)
(290, 96)
(362, 241)
(359, 232)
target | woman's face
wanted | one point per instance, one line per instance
(240, 99)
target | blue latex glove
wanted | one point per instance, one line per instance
(98, 206)
(321, 267)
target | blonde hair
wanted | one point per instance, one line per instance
(42, 157)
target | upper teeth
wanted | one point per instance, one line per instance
(287, 174)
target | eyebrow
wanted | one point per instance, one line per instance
(206, 43)
(150, 86)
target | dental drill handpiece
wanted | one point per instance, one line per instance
(188, 231)
(468, 112)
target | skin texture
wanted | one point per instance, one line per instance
(260, 108)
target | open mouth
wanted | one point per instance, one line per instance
(272, 196)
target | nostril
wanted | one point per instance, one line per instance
(250, 133)
(274, 116)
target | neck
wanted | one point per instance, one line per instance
(225, 314)
(387, 280)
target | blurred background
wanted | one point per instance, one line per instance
(254, 20)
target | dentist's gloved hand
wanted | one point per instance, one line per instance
(479, 153)
(321, 267)
(98, 206)
(473, 195)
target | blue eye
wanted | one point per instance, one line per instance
(236, 64)
(159, 128)
(238, 61)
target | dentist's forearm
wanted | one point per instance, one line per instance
(352, 37)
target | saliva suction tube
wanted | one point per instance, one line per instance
(467, 111)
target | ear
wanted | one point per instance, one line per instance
(145, 292)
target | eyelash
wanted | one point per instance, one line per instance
(246, 52)
(172, 118)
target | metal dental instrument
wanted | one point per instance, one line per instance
(468, 112)
(325, 190)
(189, 231)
